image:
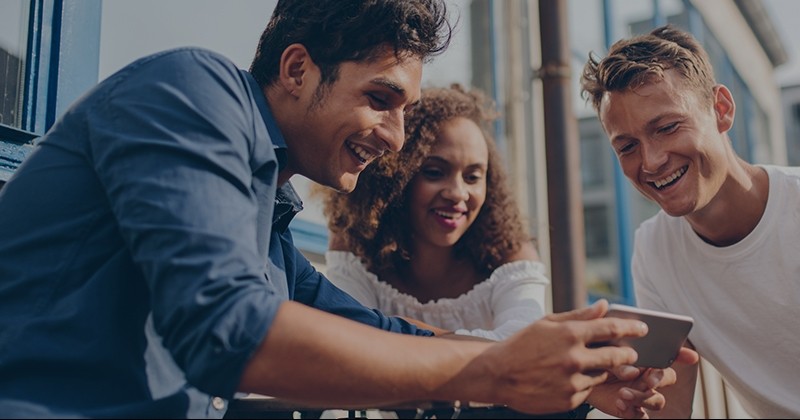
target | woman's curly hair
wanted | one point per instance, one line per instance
(374, 218)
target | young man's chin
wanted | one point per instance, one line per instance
(347, 183)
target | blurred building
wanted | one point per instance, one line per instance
(10, 97)
(791, 114)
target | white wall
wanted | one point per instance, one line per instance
(784, 14)
(132, 29)
(11, 25)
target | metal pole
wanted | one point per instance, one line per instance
(567, 247)
(624, 235)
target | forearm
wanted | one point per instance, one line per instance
(323, 360)
(319, 359)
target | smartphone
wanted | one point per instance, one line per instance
(667, 332)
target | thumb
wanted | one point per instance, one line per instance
(595, 310)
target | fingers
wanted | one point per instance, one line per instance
(591, 379)
(631, 401)
(625, 410)
(601, 331)
(568, 351)
(643, 379)
(655, 378)
(609, 357)
(641, 394)
(627, 372)
(596, 310)
(687, 356)
(589, 335)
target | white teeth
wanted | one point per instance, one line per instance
(447, 215)
(362, 153)
(675, 175)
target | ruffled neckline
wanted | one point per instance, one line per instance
(521, 268)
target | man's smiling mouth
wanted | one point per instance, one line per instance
(361, 153)
(670, 179)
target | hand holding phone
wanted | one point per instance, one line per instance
(666, 334)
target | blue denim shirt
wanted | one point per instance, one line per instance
(144, 248)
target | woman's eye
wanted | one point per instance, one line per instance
(431, 173)
(474, 178)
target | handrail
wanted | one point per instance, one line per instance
(262, 407)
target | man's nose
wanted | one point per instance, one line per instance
(653, 157)
(393, 133)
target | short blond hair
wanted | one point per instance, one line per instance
(633, 62)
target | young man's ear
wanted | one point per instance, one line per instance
(724, 108)
(295, 68)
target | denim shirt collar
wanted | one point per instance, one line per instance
(287, 201)
(275, 135)
(287, 205)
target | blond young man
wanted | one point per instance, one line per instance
(723, 249)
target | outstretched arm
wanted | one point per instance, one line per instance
(316, 358)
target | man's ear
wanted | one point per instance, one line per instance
(295, 66)
(724, 108)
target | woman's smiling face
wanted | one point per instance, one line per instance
(449, 190)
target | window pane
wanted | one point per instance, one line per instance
(595, 157)
(597, 231)
(13, 25)
(793, 132)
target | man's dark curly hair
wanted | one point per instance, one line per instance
(374, 218)
(633, 62)
(334, 31)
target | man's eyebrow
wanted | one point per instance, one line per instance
(651, 124)
(621, 137)
(658, 118)
(397, 89)
(390, 85)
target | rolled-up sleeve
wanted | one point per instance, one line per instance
(173, 146)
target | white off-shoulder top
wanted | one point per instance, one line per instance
(511, 298)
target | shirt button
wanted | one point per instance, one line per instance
(218, 403)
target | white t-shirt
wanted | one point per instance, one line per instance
(511, 298)
(745, 298)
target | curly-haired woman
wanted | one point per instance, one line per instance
(433, 233)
